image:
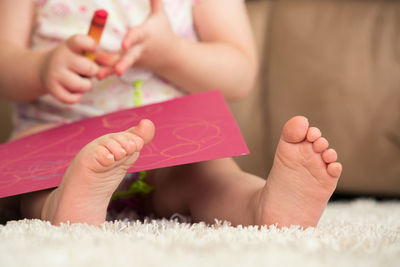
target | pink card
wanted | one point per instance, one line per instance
(189, 129)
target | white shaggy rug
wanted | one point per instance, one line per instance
(359, 233)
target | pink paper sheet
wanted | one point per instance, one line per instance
(189, 129)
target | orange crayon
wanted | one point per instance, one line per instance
(96, 28)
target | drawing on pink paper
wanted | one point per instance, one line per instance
(189, 129)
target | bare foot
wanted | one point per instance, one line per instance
(302, 179)
(93, 176)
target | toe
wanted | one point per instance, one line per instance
(313, 134)
(114, 147)
(130, 142)
(145, 130)
(334, 169)
(320, 145)
(295, 129)
(329, 155)
(103, 156)
(136, 140)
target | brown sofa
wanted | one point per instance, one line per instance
(336, 62)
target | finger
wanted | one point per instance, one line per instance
(106, 58)
(128, 59)
(63, 95)
(156, 6)
(80, 43)
(104, 72)
(134, 36)
(83, 66)
(75, 83)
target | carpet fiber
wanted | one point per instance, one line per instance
(358, 233)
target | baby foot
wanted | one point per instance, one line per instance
(302, 179)
(94, 174)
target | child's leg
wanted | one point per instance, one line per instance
(302, 179)
(31, 204)
(209, 190)
(91, 179)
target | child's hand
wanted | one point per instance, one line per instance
(66, 72)
(148, 44)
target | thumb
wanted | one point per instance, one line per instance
(156, 6)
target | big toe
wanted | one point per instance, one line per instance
(295, 130)
(145, 130)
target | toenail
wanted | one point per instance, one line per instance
(110, 156)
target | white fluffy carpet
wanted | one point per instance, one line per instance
(359, 233)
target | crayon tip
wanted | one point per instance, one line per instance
(100, 16)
